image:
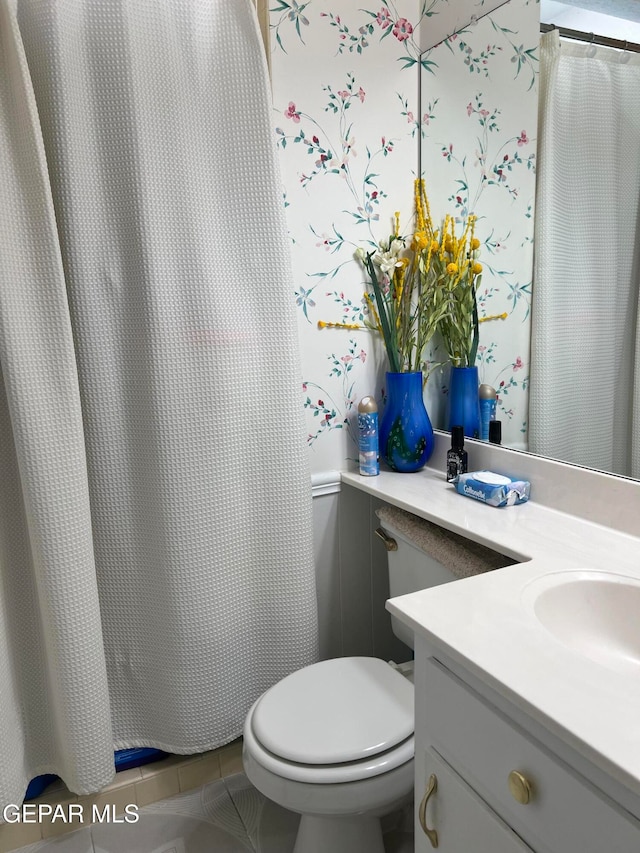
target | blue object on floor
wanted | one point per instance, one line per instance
(125, 759)
(36, 786)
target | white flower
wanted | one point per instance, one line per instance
(360, 254)
(386, 261)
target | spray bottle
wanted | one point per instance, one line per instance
(488, 399)
(368, 437)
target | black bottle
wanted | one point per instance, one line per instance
(457, 456)
(495, 432)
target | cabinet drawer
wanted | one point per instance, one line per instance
(462, 820)
(565, 813)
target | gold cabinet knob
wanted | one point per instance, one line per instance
(520, 787)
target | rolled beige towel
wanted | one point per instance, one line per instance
(462, 557)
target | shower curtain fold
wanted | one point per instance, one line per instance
(156, 569)
(584, 404)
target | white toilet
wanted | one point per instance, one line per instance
(334, 741)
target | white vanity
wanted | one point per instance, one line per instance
(528, 678)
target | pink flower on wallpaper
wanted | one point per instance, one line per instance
(362, 356)
(346, 359)
(523, 139)
(361, 94)
(518, 365)
(402, 29)
(409, 117)
(387, 147)
(469, 108)
(291, 112)
(383, 18)
(344, 94)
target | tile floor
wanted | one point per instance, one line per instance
(224, 816)
(141, 786)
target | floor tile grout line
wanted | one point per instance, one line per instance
(237, 810)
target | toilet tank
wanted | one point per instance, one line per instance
(412, 567)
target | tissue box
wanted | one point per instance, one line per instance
(492, 489)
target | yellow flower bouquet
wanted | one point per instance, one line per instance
(411, 296)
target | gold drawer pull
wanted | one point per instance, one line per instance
(431, 834)
(520, 787)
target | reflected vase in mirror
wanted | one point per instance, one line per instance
(464, 405)
(406, 434)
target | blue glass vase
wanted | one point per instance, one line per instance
(464, 405)
(406, 434)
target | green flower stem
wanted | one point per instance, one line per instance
(388, 335)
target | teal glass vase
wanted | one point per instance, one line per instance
(464, 403)
(406, 434)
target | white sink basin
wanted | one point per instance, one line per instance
(594, 613)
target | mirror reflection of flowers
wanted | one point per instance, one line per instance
(429, 288)
(459, 276)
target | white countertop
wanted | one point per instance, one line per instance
(486, 622)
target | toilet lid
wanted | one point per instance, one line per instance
(339, 710)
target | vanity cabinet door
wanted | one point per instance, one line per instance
(542, 798)
(463, 822)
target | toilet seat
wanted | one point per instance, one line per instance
(340, 720)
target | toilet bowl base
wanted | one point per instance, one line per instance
(352, 834)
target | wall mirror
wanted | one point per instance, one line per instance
(496, 97)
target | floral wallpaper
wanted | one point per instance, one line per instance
(349, 127)
(479, 156)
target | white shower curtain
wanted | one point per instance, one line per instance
(585, 377)
(156, 565)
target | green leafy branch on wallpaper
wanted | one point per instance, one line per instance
(291, 13)
(331, 415)
(305, 301)
(349, 41)
(518, 293)
(526, 58)
(330, 157)
(366, 198)
(412, 120)
(477, 63)
(494, 168)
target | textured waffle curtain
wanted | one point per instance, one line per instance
(156, 566)
(585, 378)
